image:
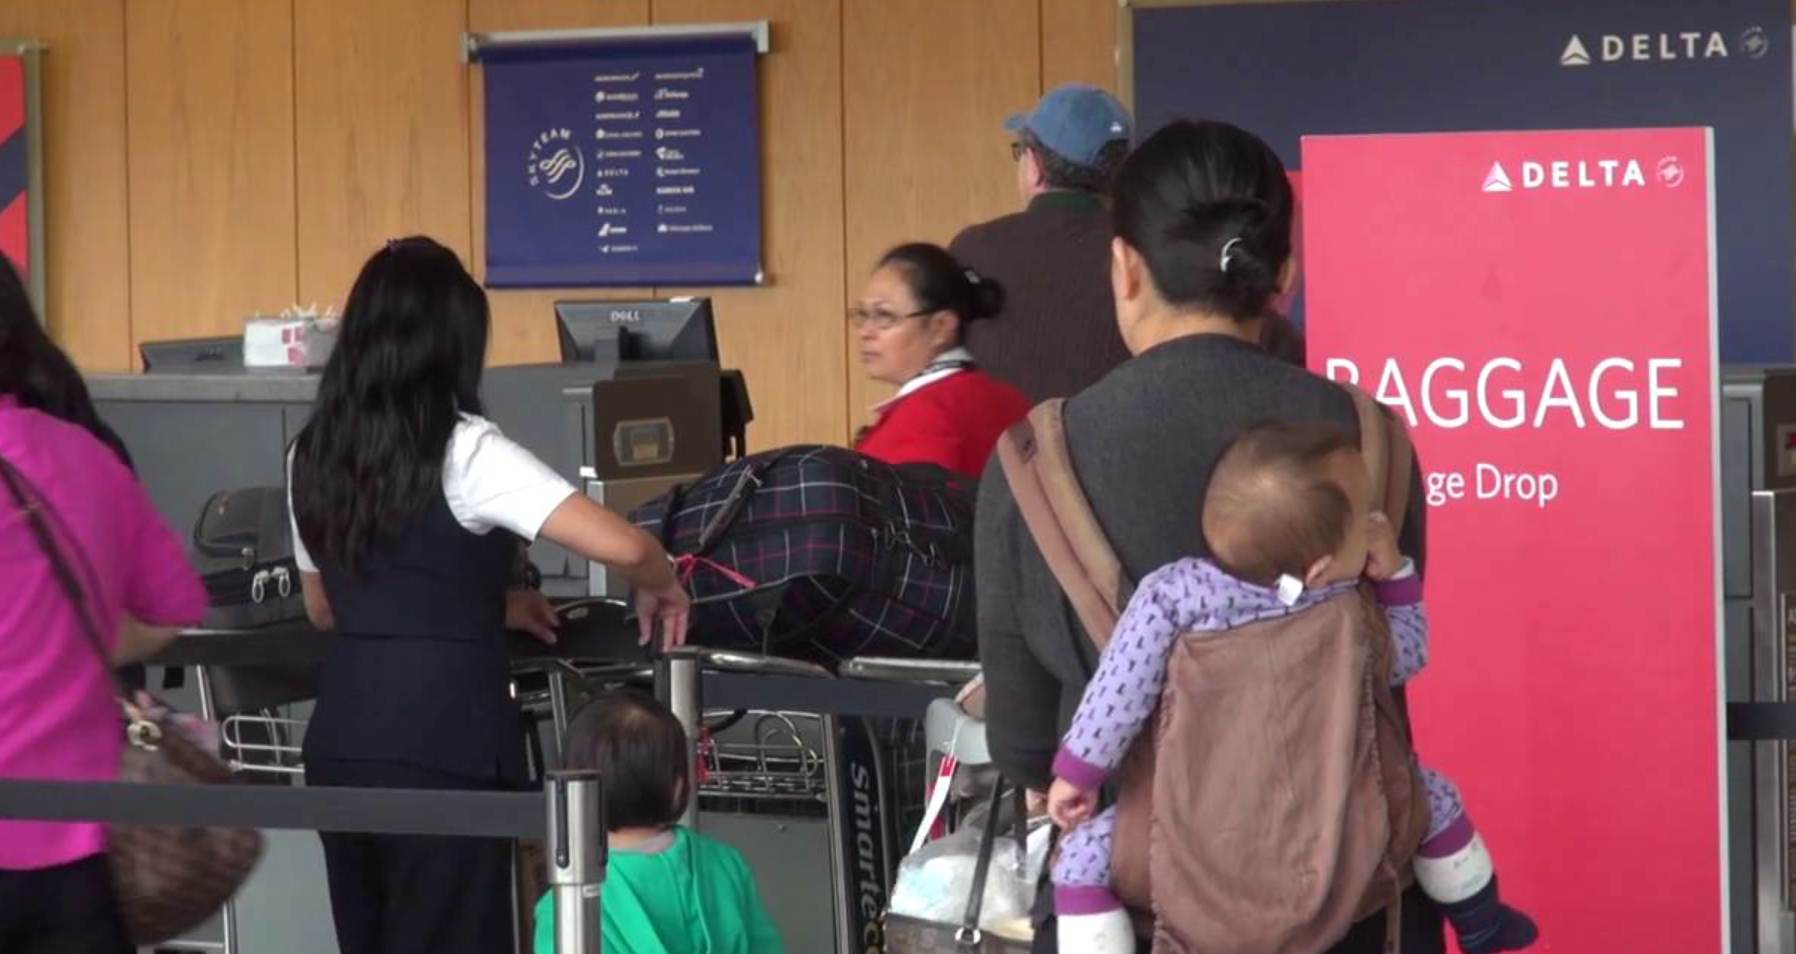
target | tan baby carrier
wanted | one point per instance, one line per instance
(1276, 802)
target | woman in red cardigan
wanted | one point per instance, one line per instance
(908, 324)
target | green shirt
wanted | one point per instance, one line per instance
(696, 897)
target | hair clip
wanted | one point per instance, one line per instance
(972, 277)
(1290, 589)
(1228, 253)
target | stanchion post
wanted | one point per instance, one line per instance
(677, 685)
(577, 842)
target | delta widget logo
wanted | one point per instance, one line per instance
(1562, 174)
(1752, 44)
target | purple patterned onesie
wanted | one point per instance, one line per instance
(1195, 596)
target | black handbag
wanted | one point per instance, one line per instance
(243, 549)
(908, 935)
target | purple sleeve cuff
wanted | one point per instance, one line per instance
(1080, 773)
(1405, 591)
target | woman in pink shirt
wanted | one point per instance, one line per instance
(58, 718)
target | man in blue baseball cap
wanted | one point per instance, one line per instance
(1057, 333)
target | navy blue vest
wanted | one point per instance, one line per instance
(418, 673)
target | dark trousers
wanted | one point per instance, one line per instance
(69, 909)
(403, 894)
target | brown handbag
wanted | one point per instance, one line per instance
(169, 878)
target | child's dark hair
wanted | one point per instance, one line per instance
(1272, 508)
(940, 282)
(640, 749)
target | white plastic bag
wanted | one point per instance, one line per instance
(936, 882)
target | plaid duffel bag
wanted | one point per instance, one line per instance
(823, 554)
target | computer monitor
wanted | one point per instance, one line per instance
(193, 356)
(675, 329)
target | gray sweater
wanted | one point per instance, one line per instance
(1143, 441)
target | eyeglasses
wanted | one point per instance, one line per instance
(880, 318)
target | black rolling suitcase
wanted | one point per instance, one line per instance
(243, 550)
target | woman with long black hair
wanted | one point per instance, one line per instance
(407, 508)
(66, 489)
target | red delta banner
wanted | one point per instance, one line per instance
(15, 235)
(1541, 309)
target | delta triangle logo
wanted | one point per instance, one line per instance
(1575, 54)
(1498, 180)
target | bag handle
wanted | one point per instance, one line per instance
(749, 481)
(1040, 471)
(1384, 443)
(969, 936)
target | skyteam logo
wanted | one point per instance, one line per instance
(1663, 47)
(1754, 43)
(557, 166)
(1671, 171)
(1558, 174)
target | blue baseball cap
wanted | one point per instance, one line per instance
(1076, 121)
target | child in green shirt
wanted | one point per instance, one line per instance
(667, 889)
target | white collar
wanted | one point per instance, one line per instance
(955, 360)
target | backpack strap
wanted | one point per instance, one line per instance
(1040, 472)
(1384, 443)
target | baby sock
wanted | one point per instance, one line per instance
(1455, 870)
(1091, 920)
(1108, 933)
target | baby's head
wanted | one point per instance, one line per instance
(640, 750)
(1290, 499)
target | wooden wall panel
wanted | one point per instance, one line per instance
(87, 252)
(926, 87)
(381, 107)
(789, 337)
(210, 94)
(524, 321)
(1078, 43)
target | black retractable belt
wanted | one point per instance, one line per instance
(1761, 721)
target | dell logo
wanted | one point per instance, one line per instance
(621, 316)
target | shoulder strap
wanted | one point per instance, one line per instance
(1040, 472)
(1384, 443)
(35, 508)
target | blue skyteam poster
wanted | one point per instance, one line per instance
(628, 161)
(1286, 70)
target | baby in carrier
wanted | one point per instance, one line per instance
(1289, 520)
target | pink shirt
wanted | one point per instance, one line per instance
(57, 715)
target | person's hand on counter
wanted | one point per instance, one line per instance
(529, 611)
(667, 605)
(596, 533)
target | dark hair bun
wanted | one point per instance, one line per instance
(939, 282)
(1235, 229)
(1209, 208)
(985, 297)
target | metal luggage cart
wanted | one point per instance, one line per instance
(869, 753)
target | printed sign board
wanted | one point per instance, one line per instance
(1540, 308)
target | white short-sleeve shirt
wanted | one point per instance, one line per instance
(489, 480)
